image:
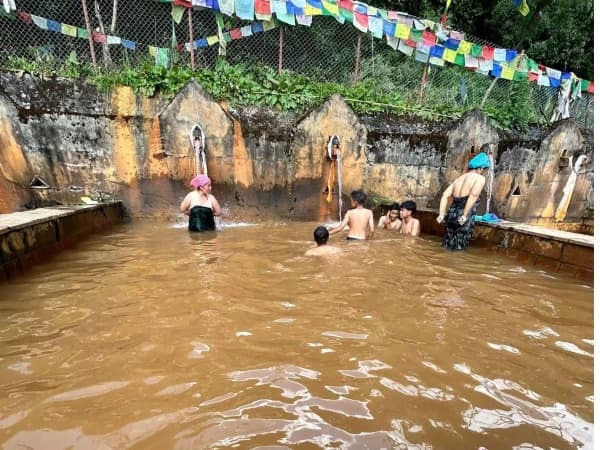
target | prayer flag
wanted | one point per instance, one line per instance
(421, 56)
(391, 41)
(290, 19)
(82, 33)
(40, 22)
(246, 30)
(477, 50)
(459, 60)
(226, 7)
(331, 8)
(428, 38)
(402, 31)
(235, 34)
(449, 55)
(488, 52)
(376, 26)
(471, 62)
(499, 54)
(98, 37)
(436, 61)
(304, 20)
(53, 25)
(402, 47)
(543, 80)
(68, 30)
(244, 9)
(452, 44)
(113, 40)
(212, 40)
(496, 70)
(437, 51)
(128, 44)
(389, 28)
(465, 47)
(532, 76)
(507, 73)
(361, 22)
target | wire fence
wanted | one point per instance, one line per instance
(135, 33)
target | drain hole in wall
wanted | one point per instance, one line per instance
(38, 183)
(516, 192)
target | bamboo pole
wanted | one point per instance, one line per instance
(357, 64)
(191, 34)
(280, 67)
(89, 31)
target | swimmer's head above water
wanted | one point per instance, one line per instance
(321, 235)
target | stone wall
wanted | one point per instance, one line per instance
(264, 163)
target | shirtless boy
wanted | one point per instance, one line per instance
(321, 236)
(391, 221)
(359, 219)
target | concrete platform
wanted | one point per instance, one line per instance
(30, 237)
(554, 250)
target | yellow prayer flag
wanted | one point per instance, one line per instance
(524, 8)
(212, 40)
(465, 47)
(152, 50)
(69, 30)
(312, 11)
(371, 11)
(449, 55)
(402, 31)
(448, 2)
(331, 8)
(508, 73)
(268, 25)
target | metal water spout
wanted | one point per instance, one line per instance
(334, 153)
(198, 145)
(565, 201)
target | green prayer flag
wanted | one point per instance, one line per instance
(382, 13)
(532, 66)
(347, 15)
(177, 13)
(10, 15)
(477, 50)
(227, 37)
(82, 33)
(416, 35)
(162, 57)
(584, 85)
(459, 60)
(520, 76)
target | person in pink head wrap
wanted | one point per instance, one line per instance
(201, 205)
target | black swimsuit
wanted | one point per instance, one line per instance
(201, 219)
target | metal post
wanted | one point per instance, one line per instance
(191, 32)
(280, 48)
(357, 64)
(89, 31)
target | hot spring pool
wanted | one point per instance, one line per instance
(151, 338)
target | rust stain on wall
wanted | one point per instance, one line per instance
(242, 165)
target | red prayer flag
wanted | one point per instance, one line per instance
(428, 38)
(488, 52)
(98, 37)
(532, 76)
(591, 87)
(410, 43)
(236, 33)
(184, 3)
(262, 7)
(25, 17)
(346, 4)
(444, 19)
(362, 19)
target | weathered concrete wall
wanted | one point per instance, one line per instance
(264, 163)
(31, 237)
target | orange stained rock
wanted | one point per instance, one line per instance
(242, 164)
(124, 152)
(124, 101)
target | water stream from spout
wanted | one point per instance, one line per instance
(339, 170)
(490, 183)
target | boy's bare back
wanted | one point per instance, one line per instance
(360, 221)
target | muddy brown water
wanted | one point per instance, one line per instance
(150, 338)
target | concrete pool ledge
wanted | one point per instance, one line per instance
(558, 251)
(30, 237)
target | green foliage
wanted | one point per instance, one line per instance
(240, 85)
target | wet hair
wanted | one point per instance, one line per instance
(321, 235)
(410, 205)
(359, 197)
(395, 207)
